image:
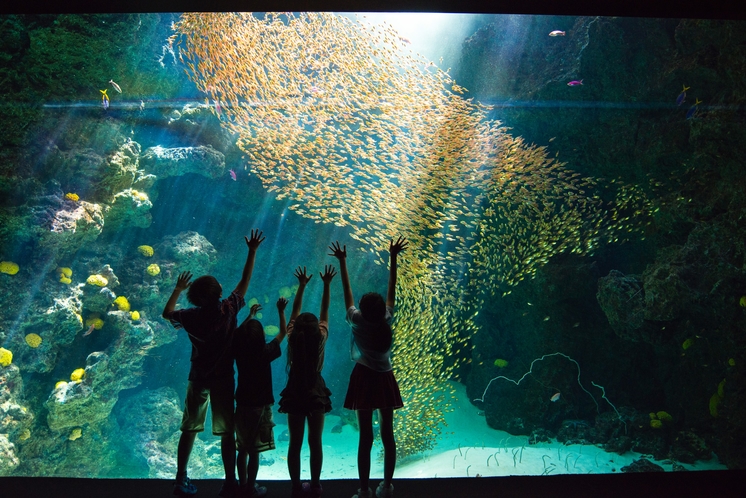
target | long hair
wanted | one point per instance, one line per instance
(373, 309)
(304, 349)
(204, 291)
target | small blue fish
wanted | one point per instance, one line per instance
(693, 109)
(682, 96)
(104, 99)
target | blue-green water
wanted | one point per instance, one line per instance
(572, 299)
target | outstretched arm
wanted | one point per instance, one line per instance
(394, 249)
(340, 252)
(327, 277)
(298, 299)
(253, 243)
(281, 304)
(182, 283)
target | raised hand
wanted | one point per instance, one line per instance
(329, 273)
(301, 275)
(398, 246)
(183, 282)
(339, 252)
(255, 308)
(282, 303)
(255, 240)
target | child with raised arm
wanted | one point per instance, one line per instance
(254, 399)
(372, 382)
(210, 325)
(306, 396)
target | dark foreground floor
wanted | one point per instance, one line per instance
(719, 484)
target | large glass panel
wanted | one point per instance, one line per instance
(573, 295)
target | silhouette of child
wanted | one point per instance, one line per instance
(372, 382)
(306, 396)
(254, 397)
(210, 325)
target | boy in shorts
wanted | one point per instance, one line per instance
(210, 325)
(254, 399)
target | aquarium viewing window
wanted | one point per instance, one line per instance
(573, 296)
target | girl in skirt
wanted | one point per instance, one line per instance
(306, 396)
(372, 382)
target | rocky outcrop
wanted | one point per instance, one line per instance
(164, 162)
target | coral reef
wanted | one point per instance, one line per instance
(164, 162)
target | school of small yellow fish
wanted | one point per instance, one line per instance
(349, 125)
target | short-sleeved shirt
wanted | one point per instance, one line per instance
(365, 340)
(253, 361)
(210, 330)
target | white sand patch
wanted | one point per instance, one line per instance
(466, 447)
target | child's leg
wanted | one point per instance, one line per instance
(186, 443)
(228, 452)
(386, 419)
(296, 427)
(365, 444)
(315, 430)
(241, 463)
(253, 468)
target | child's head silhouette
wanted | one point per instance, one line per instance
(373, 307)
(205, 291)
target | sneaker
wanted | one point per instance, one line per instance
(229, 489)
(364, 494)
(184, 486)
(298, 491)
(312, 491)
(384, 492)
(258, 491)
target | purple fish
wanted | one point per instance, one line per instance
(693, 109)
(682, 96)
(233, 174)
(556, 32)
(575, 83)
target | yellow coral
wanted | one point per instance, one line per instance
(742, 302)
(77, 375)
(8, 267)
(139, 195)
(24, 435)
(656, 424)
(653, 416)
(33, 340)
(71, 196)
(146, 251)
(153, 270)
(134, 315)
(664, 416)
(500, 363)
(271, 330)
(65, 272)
(94, 320)
(687, 343)
(732, 362)
(98, 280)
(122, 303)
(59, 384)
(75, 434)
(6, 357)
(721, 388)
(714, 402)
(65, 280)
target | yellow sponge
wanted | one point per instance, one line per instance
(8, 267)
